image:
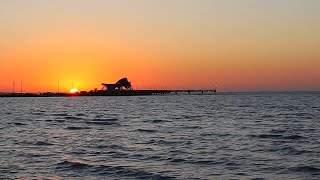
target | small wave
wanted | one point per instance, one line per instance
(158, 121)
(178, 160)
(241, 174)
(207, 134)
(154, 157)
(76, 128)
(60, 120)
(291, 151)
(192, 127)
(294, 137)
(303, 114)
(112, 147)
(244, 106)
(100, 123)
(197, 162)
(60, 114)
(9, 169)
(80, 114)
(72, 165)
(267, 116)
(306, 169)
(269, 136)
(192, 116)
(111, 121)
(166, 142)
(147, 130)
(109, 169)
(279, 136)
(205, 162)
(277, 131)
(42, 143)
(177, 118)
(18, 124)
(72, 118)
(37, 113)
(103, 120)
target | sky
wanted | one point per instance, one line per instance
(234, 45)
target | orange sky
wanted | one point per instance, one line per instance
(160, 44)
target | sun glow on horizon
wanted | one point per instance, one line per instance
(74, 90)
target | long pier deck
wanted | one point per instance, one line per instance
(110, 93)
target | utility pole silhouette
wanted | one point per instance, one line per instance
(13, 87)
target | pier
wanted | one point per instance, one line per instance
(113, 93)
(121, 88)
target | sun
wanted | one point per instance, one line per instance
(74, 90)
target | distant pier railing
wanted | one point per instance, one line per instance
(195, 91)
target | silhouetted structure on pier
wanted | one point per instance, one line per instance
(122, 84)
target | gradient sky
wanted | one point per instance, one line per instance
(240, 45)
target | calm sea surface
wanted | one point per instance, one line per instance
(243, 136)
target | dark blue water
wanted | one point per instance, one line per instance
(243, 136)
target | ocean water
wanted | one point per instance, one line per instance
(239, 136)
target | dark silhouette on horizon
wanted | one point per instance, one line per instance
(122, 84)
(121, 88)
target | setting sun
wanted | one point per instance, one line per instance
(74, 90)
